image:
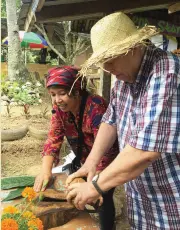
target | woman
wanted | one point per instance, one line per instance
(67, 107)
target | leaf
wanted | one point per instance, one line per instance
(41, 196)
(14, 194)
(15, 182)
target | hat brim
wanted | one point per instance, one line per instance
(105, 54)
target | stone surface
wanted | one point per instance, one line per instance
(60, 181)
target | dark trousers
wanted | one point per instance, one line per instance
(107, 211)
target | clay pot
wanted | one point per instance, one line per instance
(82, 221)
(54, 214)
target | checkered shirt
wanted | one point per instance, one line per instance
(147, 117)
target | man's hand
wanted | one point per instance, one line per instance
(42, 181)
(87, 170)
(82, 193)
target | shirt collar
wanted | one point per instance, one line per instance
(143, 71)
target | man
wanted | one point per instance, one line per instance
(144, 111)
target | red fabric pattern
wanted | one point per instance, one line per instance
(63, 76)
(61, 126)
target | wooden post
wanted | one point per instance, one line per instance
(174, 8)
(105, 85)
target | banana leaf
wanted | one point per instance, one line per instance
(13, 194)
(16, 182)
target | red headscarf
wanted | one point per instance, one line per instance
(63, 76)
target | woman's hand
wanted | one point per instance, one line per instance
(44, 177)
(87, 170)
(82, 193)
(42, 181)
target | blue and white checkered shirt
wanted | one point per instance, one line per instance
(147, 116)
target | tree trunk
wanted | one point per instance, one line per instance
(16, 66)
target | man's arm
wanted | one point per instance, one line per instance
(128, 165)
(105, 138)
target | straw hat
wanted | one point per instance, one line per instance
(113, 35)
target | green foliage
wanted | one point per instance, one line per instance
(18, 181)
(3, 78)
(24, 94)
(3, 7)
(4, 52)
(24, 98)
(22, 222)
(18, 4)
(20, 216)
(32, 56)
(14, 194)
(9, 88)
(52, 61)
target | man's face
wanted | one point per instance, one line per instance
(124, 67)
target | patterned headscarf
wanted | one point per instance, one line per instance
(63, 76)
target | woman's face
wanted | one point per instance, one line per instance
(61, 98)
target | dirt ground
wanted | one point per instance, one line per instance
(22, 157)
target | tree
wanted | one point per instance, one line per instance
(3, 7)
(16, 66)
(73, 44)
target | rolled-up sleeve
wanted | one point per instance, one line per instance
(55, 137)
(158, 126)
